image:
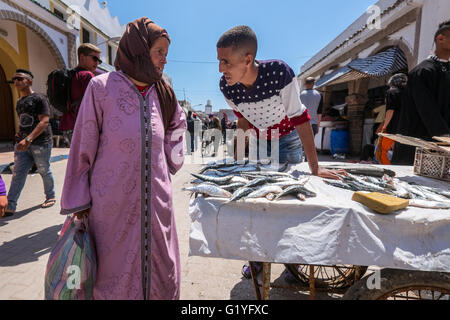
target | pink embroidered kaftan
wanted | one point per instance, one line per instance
(119, 166)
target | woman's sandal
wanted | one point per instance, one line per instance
(48, 203)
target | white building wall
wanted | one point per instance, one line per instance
(367, 52)
(407, 35)
(103, 46)
(434, 12)
(58, 38)
(11, 28)
(41, 61)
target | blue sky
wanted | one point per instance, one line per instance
(290, 30)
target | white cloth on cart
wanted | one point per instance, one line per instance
(327, 230)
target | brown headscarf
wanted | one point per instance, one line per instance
(133, 59)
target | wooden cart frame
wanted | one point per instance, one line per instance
(399, 284)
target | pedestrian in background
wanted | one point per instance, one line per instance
(34, 141)
(3, 198)
(128, 140)
(427, 104)
(88, 61)
(313, 100)
(191, 129)
(395, 101)
(224, 125)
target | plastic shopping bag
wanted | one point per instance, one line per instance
(72, 266)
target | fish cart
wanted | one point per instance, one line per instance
(329, 240)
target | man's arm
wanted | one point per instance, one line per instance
(41, 127)
(307, 137)
(389, 116)
(243, 124)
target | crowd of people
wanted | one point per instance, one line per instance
(126, 137)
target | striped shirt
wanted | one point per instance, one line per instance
(273, 103)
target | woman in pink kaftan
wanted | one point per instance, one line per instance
(126, 144)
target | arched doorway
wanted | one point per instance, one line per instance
(6, 109)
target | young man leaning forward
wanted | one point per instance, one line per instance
(265, 96)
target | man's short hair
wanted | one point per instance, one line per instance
(399, 80)
(240, 38)
(86, 49)
(443, 27)
(310, 80)
(24, 71)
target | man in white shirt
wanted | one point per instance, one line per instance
(313, 100)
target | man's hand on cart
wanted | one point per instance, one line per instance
(331, 174)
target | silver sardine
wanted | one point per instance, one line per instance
(240, 193)
(209, 190)
(262, 192)
(429, 204)
(216, 180)
(296, 190)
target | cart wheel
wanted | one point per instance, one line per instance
(339, 276)
(403, 285)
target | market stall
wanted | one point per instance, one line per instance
(328, 229)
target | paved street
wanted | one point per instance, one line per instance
(26, 240)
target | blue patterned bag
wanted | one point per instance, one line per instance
(72, 265)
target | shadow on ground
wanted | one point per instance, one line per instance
(18, 215)
(28, 248)
(244, 290)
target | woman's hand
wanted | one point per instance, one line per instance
(3, 205)
(80, 215)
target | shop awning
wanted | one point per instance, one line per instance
(329, 78)
(379, 65)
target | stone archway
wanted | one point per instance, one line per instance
(24, 20)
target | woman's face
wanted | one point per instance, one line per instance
(158, 54)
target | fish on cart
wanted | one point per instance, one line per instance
(295, 190)
(216, 180)
(365, 170)
(233, 186)
(438, 191)
(222, 164)
(340, 184)
(241, 193)
(259, 182)
(429, 204)
(264, 191)
(209, 190)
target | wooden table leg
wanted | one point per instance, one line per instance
(266, 281)
(312, 286)
(255, 281)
